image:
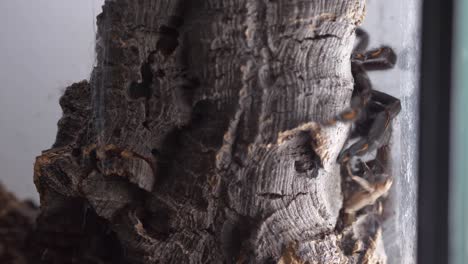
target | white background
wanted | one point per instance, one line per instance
(45, 45)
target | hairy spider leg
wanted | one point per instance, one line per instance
(379, 130)
(371, 110)
(359, 148)
(391, 104)
(382, 58)
(363, 41)
(359, 99)
(380, 163)
(360, 180)
(361, 61)
(377, 59)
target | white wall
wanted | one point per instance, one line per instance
(45, 45)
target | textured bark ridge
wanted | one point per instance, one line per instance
(195, 140)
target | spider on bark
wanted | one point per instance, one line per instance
(372, 111)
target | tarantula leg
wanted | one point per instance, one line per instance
(382, 108)
(376, 59)
(382, 58)
(363, 41)
(359, 180)
(379, 127)
(347, 115)
(391, 108)
(362, 83)
(380, 164)
(391, 104)
(378, 135)
(359, 148)
(363, 183)
(361, 95)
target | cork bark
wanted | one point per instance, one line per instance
(195, 140)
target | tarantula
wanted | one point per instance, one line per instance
(371, 110)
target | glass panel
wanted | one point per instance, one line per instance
(396, 24)
(45, 46)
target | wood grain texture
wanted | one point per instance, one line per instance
(195, 140)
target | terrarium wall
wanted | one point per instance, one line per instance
(45, 46)
(397, 24)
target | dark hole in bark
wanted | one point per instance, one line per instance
(237, 239)
(157, 224)
(160, 73)
(190, 83)
(139, 90)
(201, 203)
(238, 236)
(155, 152)
(135, 50)
(93, 158)
(168, 40)
(176, 21)
(306, 161)
(142, 89)
(205, 122)
(167, 153)
(103, 241)
(185, 92)
(76, 152)
(201, 111)
(117, 132)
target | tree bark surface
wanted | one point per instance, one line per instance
(196, 138)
